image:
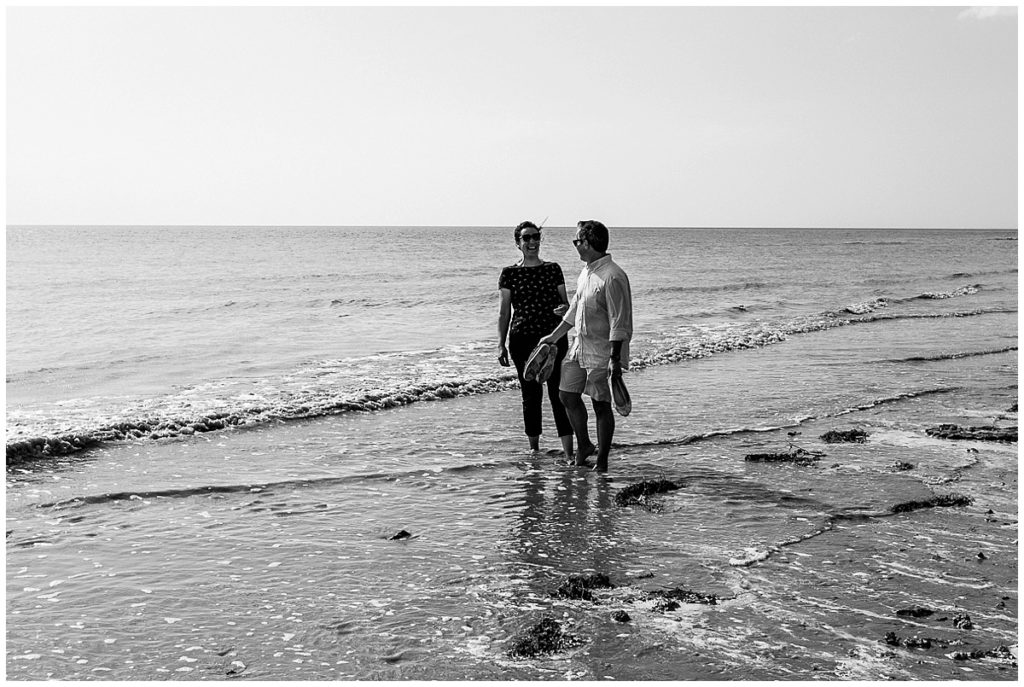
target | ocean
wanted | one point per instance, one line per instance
(289, 453)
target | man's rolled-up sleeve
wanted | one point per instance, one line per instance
(620, 310)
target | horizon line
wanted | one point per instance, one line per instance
(502, 226)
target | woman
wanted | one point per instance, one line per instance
(533, 301)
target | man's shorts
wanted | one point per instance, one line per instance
(577, 380)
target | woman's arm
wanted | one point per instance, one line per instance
(563, 300)
(504, 317)
(562, 296)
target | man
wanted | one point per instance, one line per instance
(602, 312)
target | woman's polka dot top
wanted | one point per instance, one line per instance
(534, 296)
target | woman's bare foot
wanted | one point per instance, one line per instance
(584, 453)
(568, 451)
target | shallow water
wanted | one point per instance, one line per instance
(264, 552)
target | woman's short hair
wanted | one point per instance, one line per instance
(525, 225)
(595, 233)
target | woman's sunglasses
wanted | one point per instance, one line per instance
(529, 237)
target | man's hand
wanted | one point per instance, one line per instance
(614, 367)
(503, 355)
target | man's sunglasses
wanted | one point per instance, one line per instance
(529, 237)
(577, 242)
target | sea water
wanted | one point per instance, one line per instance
(214, 433)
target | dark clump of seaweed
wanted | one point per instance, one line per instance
(915, 612)
(546, 637)
(669, 599)
(637, 494)
(986, 433)
(837, 436)
(1001, 652)
(579, 586)
(942, 500)
(664, 605)
(899, 466)
(797, 456)
(962, 621)
(893, 639)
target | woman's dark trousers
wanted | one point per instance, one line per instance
(520, 346)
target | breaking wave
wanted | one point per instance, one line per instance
(255, 488)
(968, 290)
(710, 288)
(951, 356)
(865, 307)
(734, 431)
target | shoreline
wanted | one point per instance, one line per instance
(755, 336)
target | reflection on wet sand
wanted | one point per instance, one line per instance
(568, 523)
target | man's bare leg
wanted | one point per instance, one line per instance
(534, 443)
(605, 430)
(577, 413)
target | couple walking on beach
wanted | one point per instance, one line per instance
(535, 310)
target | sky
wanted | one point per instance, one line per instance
(485, 116)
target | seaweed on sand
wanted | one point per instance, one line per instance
(943, 500)
(668, 600)
(636, 494)
(892, 639)
(915, 612)
(797, 456)
(836, 436)
(962, 621)
(1001, 652)
(987, 433)
(579, 586)
(546, 637)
